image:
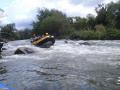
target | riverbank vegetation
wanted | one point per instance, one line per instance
(104, 26)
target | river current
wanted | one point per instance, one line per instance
(65, 66)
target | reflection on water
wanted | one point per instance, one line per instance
(74, 65)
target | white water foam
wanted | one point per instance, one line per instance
(72, 48)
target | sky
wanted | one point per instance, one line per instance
(23, 12)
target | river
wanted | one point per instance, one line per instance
(64, 66)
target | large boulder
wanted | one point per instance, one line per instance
(24, 50)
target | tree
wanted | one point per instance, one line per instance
(25, 34)
(90, 21)
(8, 31)
(101, 17)
(109, 15)
(51, 21)
(80, 23)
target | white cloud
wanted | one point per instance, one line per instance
(20, 10)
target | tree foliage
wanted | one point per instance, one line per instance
(51, 21)
(24, 34)
(109, 15)
(8, 31)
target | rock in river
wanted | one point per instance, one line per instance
(24, 50)
(85, 43)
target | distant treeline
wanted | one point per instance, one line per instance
(9, 32)
(104, 26)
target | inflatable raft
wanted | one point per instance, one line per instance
(44, 41)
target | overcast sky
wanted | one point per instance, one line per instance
(23, 12)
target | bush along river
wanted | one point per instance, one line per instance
(68, 65)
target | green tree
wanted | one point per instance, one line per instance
(90, 21)
(109, 15)
(51, 21)
(25, 34)
(80, 23)
(101, 17)
(8, 31)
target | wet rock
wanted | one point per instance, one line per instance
(19, 51)
(66, 41)
(85, 43)
(2, 70)
(4, 48)
(1, 45)
(3, 40)
(91, 81)
(24, 50)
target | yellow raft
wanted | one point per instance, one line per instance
(43, 41)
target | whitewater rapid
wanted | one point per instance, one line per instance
(64, 66)
(72, 48)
